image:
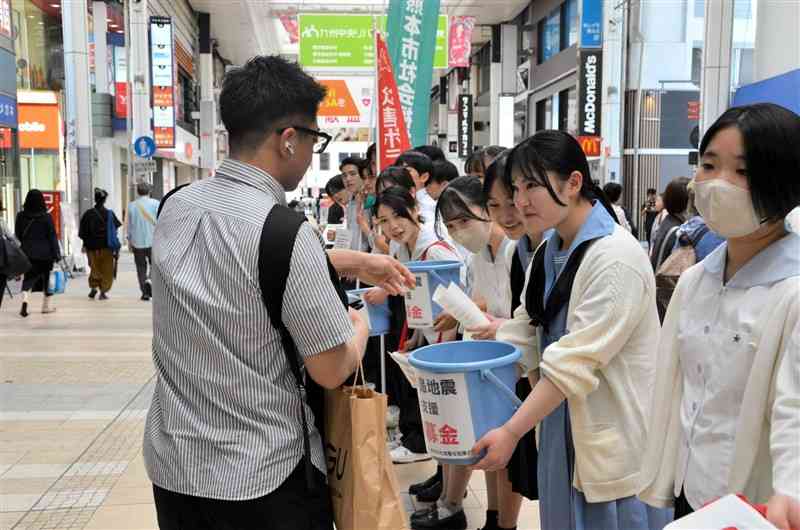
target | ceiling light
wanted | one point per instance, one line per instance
(55, 5)
(112, 26)
(120, 31)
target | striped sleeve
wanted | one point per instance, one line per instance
(312, 310)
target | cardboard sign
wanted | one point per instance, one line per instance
(446, 414)
(343, 238)
(419, 310)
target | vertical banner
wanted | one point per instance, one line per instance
(5, 19)
(461, 41)
(590, 99)
(464, 125)
(592, 24)
(52, 200)
(392, 133)
(162, 81)
(120, 82)
(412, 45)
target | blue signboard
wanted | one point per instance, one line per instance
(8, 112)
(144, 146)
(592, 24)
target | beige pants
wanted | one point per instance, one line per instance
(101, 263)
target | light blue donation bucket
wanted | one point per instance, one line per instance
(377, 315)
(466, 389)
(421, 310)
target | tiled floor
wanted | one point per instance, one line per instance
(74, 390)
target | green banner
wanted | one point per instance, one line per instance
(336, 41)
(412, 47)
(442, 43)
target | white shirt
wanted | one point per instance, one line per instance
(717, 342)
(490, 278)
(427, 205)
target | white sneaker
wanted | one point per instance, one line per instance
(401, 455)
(393, 417)
(393, 439)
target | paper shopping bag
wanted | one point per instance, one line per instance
(363, 489)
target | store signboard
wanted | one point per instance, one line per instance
(120, 83)
(592, 24)
(336, 41)
(465, 125)
(591, 145)
(8, 111)
(39, 126)
(348, 102)
(5, 18)
(52, 200)
(590, 99)
(162, 61)
(460, 40)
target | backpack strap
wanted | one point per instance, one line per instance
(663, 248)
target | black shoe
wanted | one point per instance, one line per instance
(423, 513)
(24, 311)
(92, 293)
(148, 289)
(457, 521)
(103, 296)
(145, 298)
(431, 494)
(416, 489)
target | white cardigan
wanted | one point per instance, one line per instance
(604, 365)
(766, 457)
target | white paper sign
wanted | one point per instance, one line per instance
(446, 414)
(419, 311)
(343, 238)
(402, 361)
(729, 511)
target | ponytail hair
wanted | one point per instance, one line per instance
(559, 153)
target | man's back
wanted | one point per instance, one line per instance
(142, 214)
(224, 423)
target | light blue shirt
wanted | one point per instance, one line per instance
(140, 228)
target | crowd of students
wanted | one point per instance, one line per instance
(632, 418)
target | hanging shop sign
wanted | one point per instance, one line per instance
(52, 201)
(336, 41)
(162, 81)
(590, 92)
(591, 145)
(392, 132)
(592, 24)
(347, 103)
(39, 126)
(464, 125)
(120, 83)
(411, 46)
(8, 111)
(5, 18)
(460, 40)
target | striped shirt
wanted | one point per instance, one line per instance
(224, 421)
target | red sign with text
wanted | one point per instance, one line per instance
(52, 199)
(392, 132)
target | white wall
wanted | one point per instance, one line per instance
(777, 49)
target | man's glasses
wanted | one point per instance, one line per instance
(322, 139)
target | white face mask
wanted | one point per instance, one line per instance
(475, 237)
(727, 209)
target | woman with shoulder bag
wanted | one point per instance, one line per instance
(37, 235)
(97, 242)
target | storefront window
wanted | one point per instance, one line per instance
(39, 46)
(569, 23)
(544, 114)
(10, 196)
(549, 36)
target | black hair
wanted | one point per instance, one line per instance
(400, 201)
(560, 153)
(264, 95)
(334, 185)
(353, 161)
(676, 196)
(495, 172)
(652, 191)
(456, 200)
(394, 176)
(371, 151)
(613, 191)
(477, 161)
(143, 188)
(771, 136)
(432, 151)
(419, 161)
(443, 171)
(34, 202)
(472, 164)
(100, 196)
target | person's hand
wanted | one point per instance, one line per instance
(375, 296)
(357, 319)
(444, 322)
(489, 331)
(381, 244)
(386, 272)
(499, 445)
(361, 218)
(783, 511)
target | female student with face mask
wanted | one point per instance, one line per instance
(461, 211)
(725, 416)
(590, 303)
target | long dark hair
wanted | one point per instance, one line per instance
(456, 200)
(394, 176)
(557, 152)
(34, 203)
(400, 201)
(495, 172)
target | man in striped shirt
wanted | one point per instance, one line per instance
(223, 443)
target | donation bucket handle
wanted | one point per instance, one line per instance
(488, 374)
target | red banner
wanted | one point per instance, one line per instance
(392, 132)
(52, 200)
(460, 41)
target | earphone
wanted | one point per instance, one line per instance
(290, 148)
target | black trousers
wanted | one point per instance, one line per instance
(290, 507)
(142, 258)
(3, 283)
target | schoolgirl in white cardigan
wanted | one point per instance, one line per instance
(725, 417)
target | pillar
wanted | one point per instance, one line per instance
(715, 85)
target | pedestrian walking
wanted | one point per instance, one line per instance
(37, 235)
(142, 214)
(98, 230)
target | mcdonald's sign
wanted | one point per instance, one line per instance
(590, 145)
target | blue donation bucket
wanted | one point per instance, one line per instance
(377, 315)
(466, 389)
(421, 310)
